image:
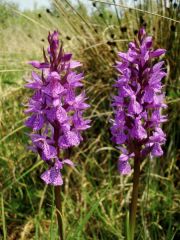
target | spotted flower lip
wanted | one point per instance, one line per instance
(53, 175)
(56, 108)
(139, 102)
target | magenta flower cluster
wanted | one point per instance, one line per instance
(139, 102)
(56, 108)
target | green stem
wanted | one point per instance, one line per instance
(57, 191)
(133, 207)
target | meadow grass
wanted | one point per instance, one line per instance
(95, 197)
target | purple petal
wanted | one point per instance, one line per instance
(123, 157)
(121, 137)
(37, 84)
(68, 162)
(36, 77)
(48, 151)
(148, 95)
(75, 64)
(125, 57)
(148, 42)
(69, 139)
(61, 114)
(62, 143)
(52, 177)
(74, 79)
(158, 66)
(67, 57)
(123, 150)
(39, 65)
(124, 167)
(56, 101)
(72, 138)
(157, 53)
(35, 122)
(54, 88)
(70, 97)
(79, 122)
(157, 150)
(58, 114)
(33, 85)
(141, 33)
(138, 130)
(53, 76)
(134, 107)
(158, 136)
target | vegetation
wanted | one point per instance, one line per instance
(95, 197)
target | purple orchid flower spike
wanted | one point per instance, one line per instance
(56, 110)
(138, 110)
(138, 104)
(56, 113)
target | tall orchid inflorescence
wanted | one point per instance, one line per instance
(138, 105)
(55, 108)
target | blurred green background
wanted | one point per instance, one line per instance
(95, 197)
